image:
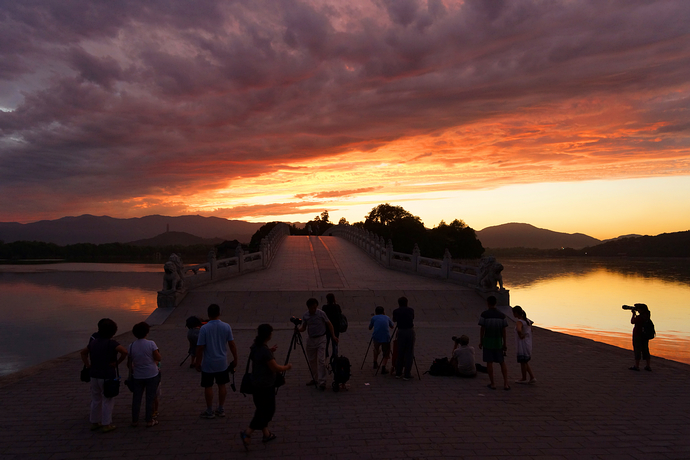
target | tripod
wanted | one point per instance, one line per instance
(297, 339)
(414, 359)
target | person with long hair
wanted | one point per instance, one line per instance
(639, 338)
(334, 312)
(523, 344)
(101, 358)
(143, 360)
(264, 370)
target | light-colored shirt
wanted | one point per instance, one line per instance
(214, 336)
(465, 357)
(143, 364)
(316, 323)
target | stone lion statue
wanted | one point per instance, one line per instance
(173, 279)
(489, 273)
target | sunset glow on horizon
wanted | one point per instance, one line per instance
(568, 115)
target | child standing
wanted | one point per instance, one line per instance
(523, 342)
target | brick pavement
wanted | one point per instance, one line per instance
(586, 404)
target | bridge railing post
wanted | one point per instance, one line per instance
(415, 258)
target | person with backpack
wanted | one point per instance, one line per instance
(334, 313)
(642, 333)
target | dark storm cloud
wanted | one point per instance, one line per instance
(122, 99)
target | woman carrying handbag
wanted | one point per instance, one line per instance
(264, 373)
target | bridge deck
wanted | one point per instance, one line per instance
(586, 403)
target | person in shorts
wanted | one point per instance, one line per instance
(492, 340)
(215, 337)
(381, 337)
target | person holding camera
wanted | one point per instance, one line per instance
(212, 359)
(492, 340)
(404, 317)
(641, 316)
(264, 370)
(381, 337)
(317, 324)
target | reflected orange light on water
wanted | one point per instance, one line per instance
(589, 305)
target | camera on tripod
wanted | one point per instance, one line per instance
(296, 321)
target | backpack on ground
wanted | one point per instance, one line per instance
(648, 331)
(341, 371)
(441, 367)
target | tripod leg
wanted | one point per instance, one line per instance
(299, 340)
(365, 354)
(414, 359)
(185, 359)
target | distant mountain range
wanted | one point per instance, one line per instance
(104, 229)
(515, 235)
(176, 239)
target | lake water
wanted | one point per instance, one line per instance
(47, 311)
(584, 298)
(50, 310)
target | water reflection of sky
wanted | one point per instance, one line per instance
(584, 298)
(46, 313)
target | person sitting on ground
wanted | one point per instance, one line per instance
(463, 358)
(381, 337)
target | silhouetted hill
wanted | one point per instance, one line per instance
(104, 229)
(176, 239)
(516, 235)
(665, 245)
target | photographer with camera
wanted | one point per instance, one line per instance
(641, 334)
(381, 337)
(317, 324)
(212, 359)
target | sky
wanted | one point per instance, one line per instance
(569, 115)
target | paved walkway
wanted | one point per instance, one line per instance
(586, 403)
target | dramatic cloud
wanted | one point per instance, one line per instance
(241, 106)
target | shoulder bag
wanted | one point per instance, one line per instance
(111, 387)
(246, 387)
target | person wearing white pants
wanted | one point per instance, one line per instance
(316, 323)
(102, 356)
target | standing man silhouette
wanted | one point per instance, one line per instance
(404, 317)
(215, 337)
(492, 340)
